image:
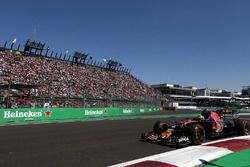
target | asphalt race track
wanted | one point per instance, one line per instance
(93, 143)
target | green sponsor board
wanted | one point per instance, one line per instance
(40, 114)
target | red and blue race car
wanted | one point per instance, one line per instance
(194, 131)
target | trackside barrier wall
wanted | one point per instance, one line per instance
(41, 114)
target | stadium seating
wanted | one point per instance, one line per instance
(65, 79)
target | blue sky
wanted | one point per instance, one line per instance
(202, 43)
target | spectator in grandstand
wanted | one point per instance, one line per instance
(63, 79)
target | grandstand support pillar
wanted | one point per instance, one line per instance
(68, 97)
(11, 47)
(49, 91)
(8, 104)
(18, 48)
(51, 54)
(84, 97)
(5, 44)
(8, 96)
(47, 50)
(41, 52)
(98, 103)
(70, 83)
(249, 97)
(60, 57)
(35, 51)
(69, 57)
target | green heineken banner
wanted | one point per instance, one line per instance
(40, 114)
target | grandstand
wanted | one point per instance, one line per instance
(66, 83)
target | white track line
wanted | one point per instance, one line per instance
(188, 156)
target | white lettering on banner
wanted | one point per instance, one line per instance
(93, 112)
(142, 110)
(26, 114)
(17, 114)
(127, 111)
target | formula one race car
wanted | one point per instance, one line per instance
(193, 131)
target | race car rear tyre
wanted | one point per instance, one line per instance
(242, 127)
(160, 127)
(196, 134)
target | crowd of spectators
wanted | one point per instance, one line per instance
(66, 79)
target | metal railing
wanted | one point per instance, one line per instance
(65, 102)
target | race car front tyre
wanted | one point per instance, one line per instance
(196, 134)
(160, 127)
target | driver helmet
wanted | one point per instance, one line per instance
(205, 113)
